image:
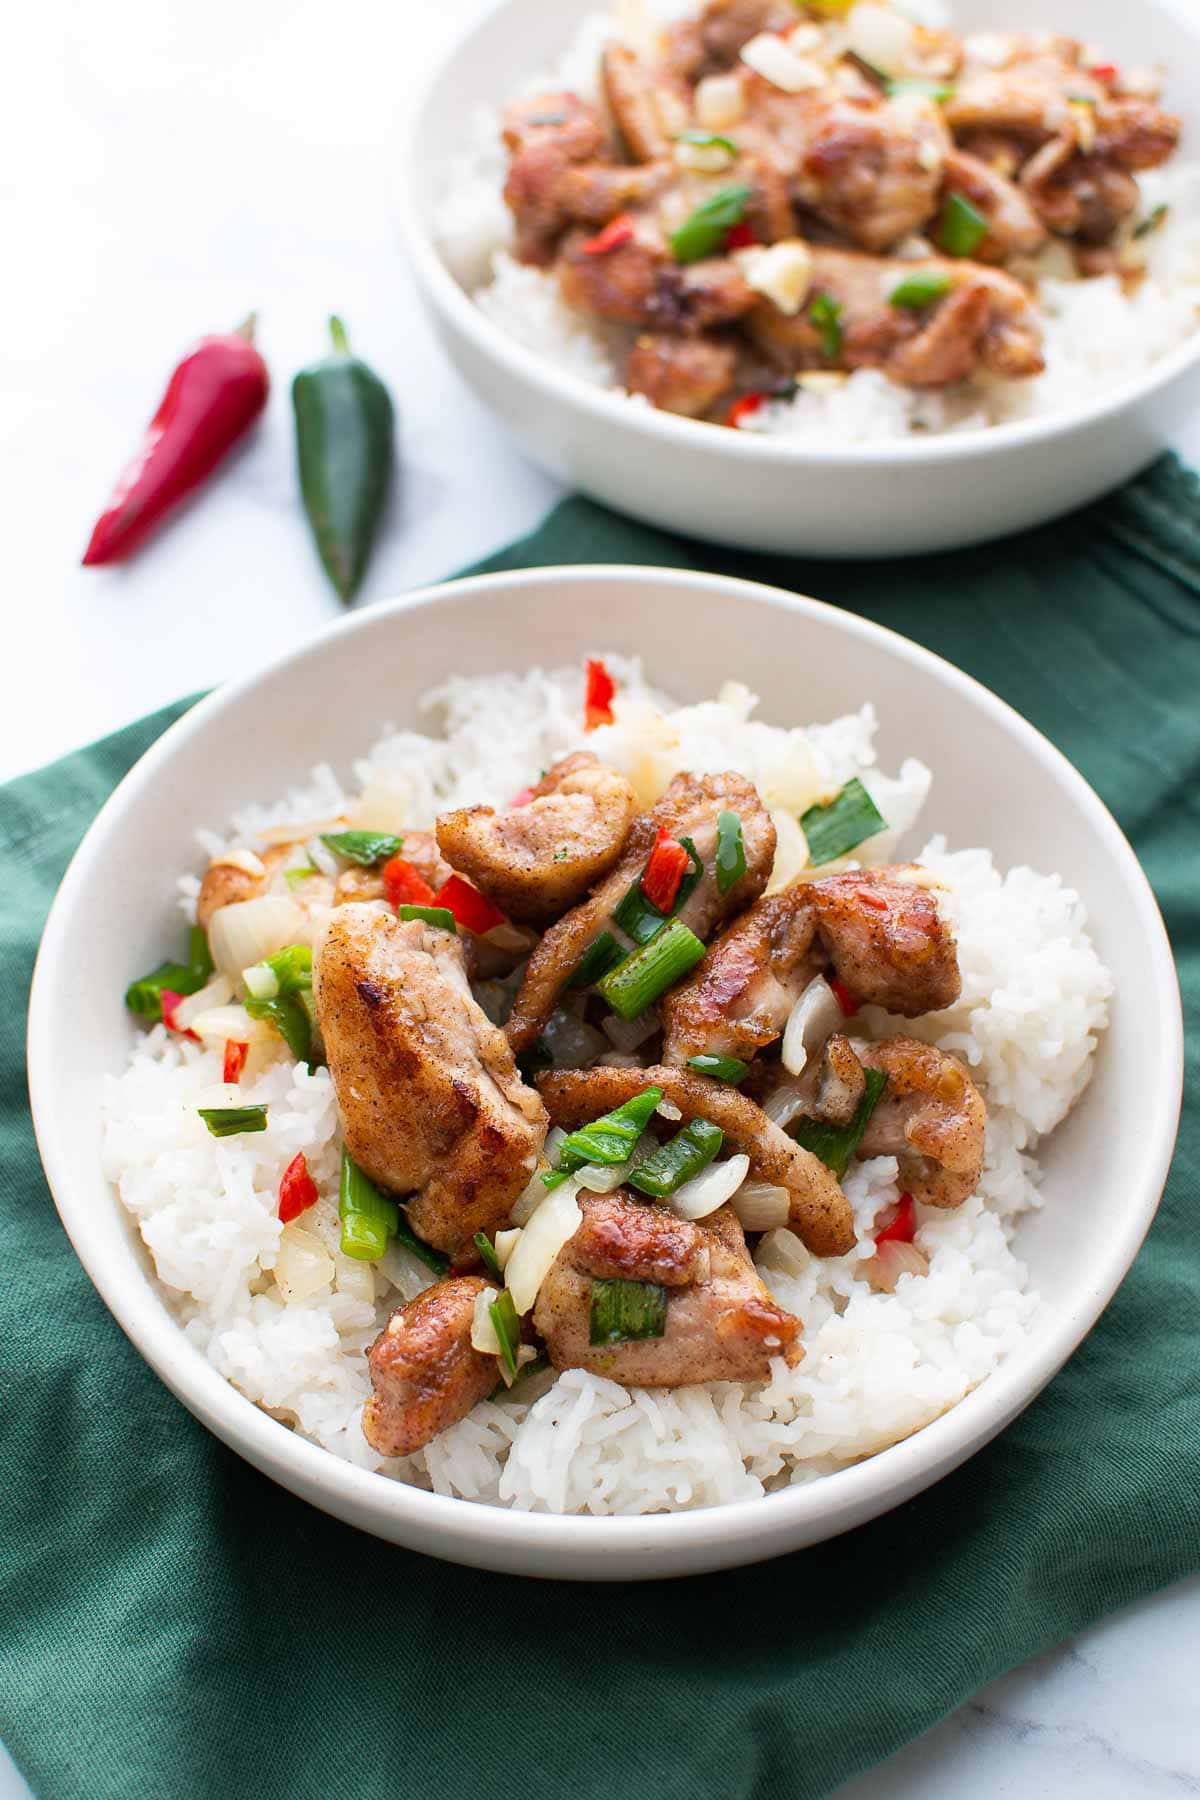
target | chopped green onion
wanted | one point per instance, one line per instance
(921, 288)
(531, 1368)
(721, 1068)
(826, 313)
(608, 1140)
(1152, 221)
(487, 1255)
(368, 1217)
(689, 1151)
(651, 969)
(703, 234)
(937, 91)
(603, 954)
(506, 1325)
(229, 1121)
(294, 877)
(622, 1311)
(144, 996)
(707, 140)
(830, 831)
(638, 917)
(404, 1234)
(438, 916)
(288, 1014)
(836, 1144)
(531, 1062)
(364, 847)
(688, 883)
(731, 851)
(961, 228)
(289, 970)
(200, 960)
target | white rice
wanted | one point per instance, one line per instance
(1097, 336)
(876, 1366)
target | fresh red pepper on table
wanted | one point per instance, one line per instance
(212, 399)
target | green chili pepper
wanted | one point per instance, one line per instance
(344, 438)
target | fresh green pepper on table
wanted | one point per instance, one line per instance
(345, 430)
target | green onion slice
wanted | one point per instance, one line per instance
(623, 1311)
(826, 313)
(404, 1234)
(200, 960)
(1152, 221)
(937, 91)
(603, 954)
(487, 1255)
(364, 847)
(703, 234)
(651, 969)
(921, 288)
(961, 228)
(673, 1163)
(731, 851)
(706, 140)
(439, 916)
(608, 1140)
(230, 1121)
(368, 1217)
(638, 917)
(831, 831)
(721, 1068)
(290, 1017)
(836, 1144)
(144, 996)
(506, 1325)
(294, 877)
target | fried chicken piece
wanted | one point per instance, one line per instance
(650, 104)
(1014, 228)
(228, 883)
(624, 1239)
(722, 1326)
(425, 1373)
(710, 42)
(819, 1211)
(685, 375)
(536, 860)
(931, 1116)
(546, 136)
(430, 1099)
(690, 807)
(887, 940)
(639, 282)
(1084, 197)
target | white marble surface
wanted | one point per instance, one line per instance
(170, 166)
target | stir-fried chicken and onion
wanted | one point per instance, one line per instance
(583, 1059)
(765, 193)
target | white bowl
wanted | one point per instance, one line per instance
(765, 493)
(996, 781)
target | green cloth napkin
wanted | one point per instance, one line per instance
(171, 1624)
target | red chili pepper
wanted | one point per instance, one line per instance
(297, 1190)
(404, 885)
(235, 1059)
(170, 1001)
(471, 909)
(666, 869)
(598, 696)
(1104, 71)
(741, 409)
(740, 237)
(213, 397)
(618, 231)
(902, 1227)
(523, 798)
(845, 998)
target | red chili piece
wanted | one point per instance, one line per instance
(212, 399)
(170, 1002)
(235, 1060)
(471, 909)
(297, 1190)
(523, 798)
(404, 885)
(598, 696)
(902, 1228)
(1104, 72)
(666, 869)
(618, 231)
(741, 409)
(845, 998)
(740, 237)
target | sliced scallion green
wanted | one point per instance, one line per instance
(404, 1234)
(288, 1014)
(937, 91)
(623, 1311)
(836, 1144)
(507, 1327)
(200, 960)
(731, 851)
(651, 969)
(961, 228)
(144, 996)
(703, 234)
(673, 1163)
(438, 916)
(363, 847)
(230, 1121)
(487, 1255)
(603, 954)
(608, 1140)
(849, 819)
(638, 917)
(1152, 221)
(721, 1068)
(294, 877)
(826, 314)
(919, 289)
(368, 1217)
(706, 140)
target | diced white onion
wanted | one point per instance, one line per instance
(248, 931)
(890, 1261)
(719, 102)
(321, 856)
(353, 1276)
(245, 860)
(405, 1271)
(815, 1016)
(702, 159)
(880, 37)
(535, 1190)
(761, 1206)
(711, 1188)
(783, 1103)
(770, 57)
(603, 1180)
(226, 1024)
(783, 1250)
(483, 1333)
(216, 993)
(628, 1034)
(509, 937)
(261, 981)
(384, 805)
(791, 851)
(667, 1109)
(303, 1266)
(554, 1224)
(572, 1042)
(782, 271)
(506, 1243)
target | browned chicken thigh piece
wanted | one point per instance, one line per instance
(650, 104)
(887, 940)
(425, 1372)
(1014, 228)
(536, 860)
(710, 42)
(722, 1323)
(686, 375)
(429, 1096)
(690, 808)
(228, 883)
(819, 1211)
(546, 136)
(626, 1239)
(984, 319)
(931, 1117)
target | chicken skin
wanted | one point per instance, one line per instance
(722, 1323)
(425, 1373)
(430, 1099)
(538, 859)
(931, 1116)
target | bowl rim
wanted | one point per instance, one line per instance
(759, 1527)
(668, 430)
